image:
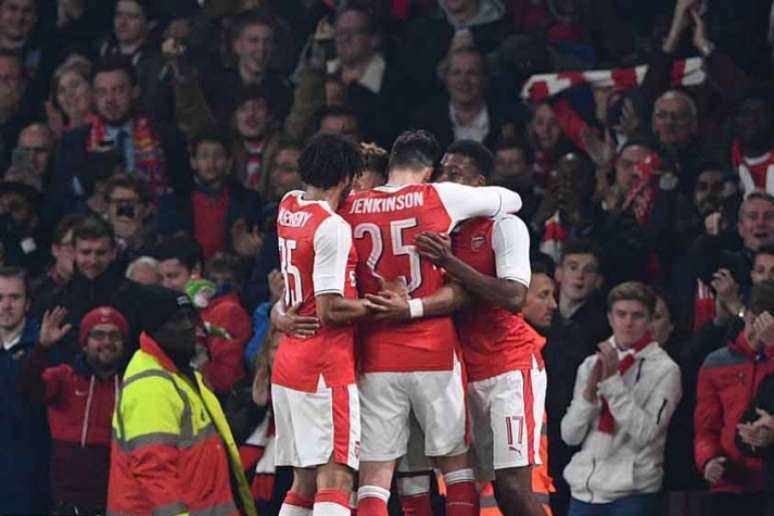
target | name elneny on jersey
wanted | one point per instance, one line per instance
(396, 203)
(292, 219)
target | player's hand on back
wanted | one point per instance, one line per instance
(296, 325)
(436, 247)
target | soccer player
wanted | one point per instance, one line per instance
(315, 400)
(506, 389)
(411, 366)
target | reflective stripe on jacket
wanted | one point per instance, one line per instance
(172, 448)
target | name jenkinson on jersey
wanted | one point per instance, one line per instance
(396, 203)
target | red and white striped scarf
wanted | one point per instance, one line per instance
(553, 236)
(686, 72)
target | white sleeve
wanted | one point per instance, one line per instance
(510, 241)
(332, 243)
(465, 202)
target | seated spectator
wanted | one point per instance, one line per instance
(97, 281)
(23, 235)
(80, 397)
(15, 112)
(728, 380)
(547, 141)
(180, 259)
(129, 211)
(751, 151)
(71, 95)
(575, 329)
(45, 286)
(144, 270)
(217, 202)
(619, 413)
(23, 434)
(34, 156)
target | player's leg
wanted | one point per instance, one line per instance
(300, 499)
(438, 401)
(385, 411)
(515, 428)
(335, 479)
(413, 475)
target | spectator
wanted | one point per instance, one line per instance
(226, 364)
(80, 396)
(675, 125)
(71, 96)
(620, 414)
(751, 150)
(736, 482)
(45, 286)
(547, 141)
(465, 113)
(514, 169)
(576, 328)
(129, 211)
(282, 174)
(134, 137)
(23, 434)
(14, 113)
(180, 259)
(97, 281)
(144, 270)
(192, 467)
(756, 434)
(21, 231)
(18, 18)
(37, 147)
(339, 120)
(217, 202)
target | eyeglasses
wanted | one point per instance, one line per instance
(673, 116)
(112, 336)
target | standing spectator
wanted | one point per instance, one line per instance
(282, 173)
(80, 398)
(675, 125)
(575, 330)
(180, 259)
(71, 96)
(172, 448)
(514, 169)
(218, 200)
(751, 151)
(623, 400)
(728, 380)
(14, 112)
(46, 286)
(756, 433)
(37, 145)
(23, 434)
(129, 210)
(22, 232)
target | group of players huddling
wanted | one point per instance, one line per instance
(401, 326)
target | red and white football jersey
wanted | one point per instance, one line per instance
(494, 341)
(316, 257)
(384, 223)
(754, 173)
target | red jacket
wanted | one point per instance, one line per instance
(80, 409)
(226, 365)
(728, 381)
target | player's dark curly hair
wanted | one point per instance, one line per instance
(481, 156)
(415, 150)
(329, 158)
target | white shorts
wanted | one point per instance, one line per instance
(507, 416)
(437, 399)
(314, 427)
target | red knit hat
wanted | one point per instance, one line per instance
(103, 315)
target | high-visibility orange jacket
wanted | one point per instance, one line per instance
(172, 447)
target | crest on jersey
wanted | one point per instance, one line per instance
(477, 241)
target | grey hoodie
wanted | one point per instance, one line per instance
(488, 11)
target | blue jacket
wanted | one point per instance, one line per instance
(24, 438)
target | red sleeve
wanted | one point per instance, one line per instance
(226, 364)
(36, 381)
(707, 420)
(571, 122)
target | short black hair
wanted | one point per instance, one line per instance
(515, 143)
(761, 298)
(130, 182)
(181, 247)
(334, 110)
(764, 249)
(329, 158)
(97, 167)
(114, 63)
(93, 227)
(475, 151)
(222, 262)
(219, 135)
(542, 264)
(247, 19)
(415, 149)
(581, 246)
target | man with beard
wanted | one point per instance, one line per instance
(172, 449)
(80, 396)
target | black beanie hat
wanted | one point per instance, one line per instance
(159, 305)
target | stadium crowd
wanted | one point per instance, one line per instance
(549, 287)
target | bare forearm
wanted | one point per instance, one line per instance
(445, 301)
(342, 311)
(496, 291)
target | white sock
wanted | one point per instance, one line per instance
(294, 510)
(373, 492)
(414, 485)
(330, 509)
(459, 475)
